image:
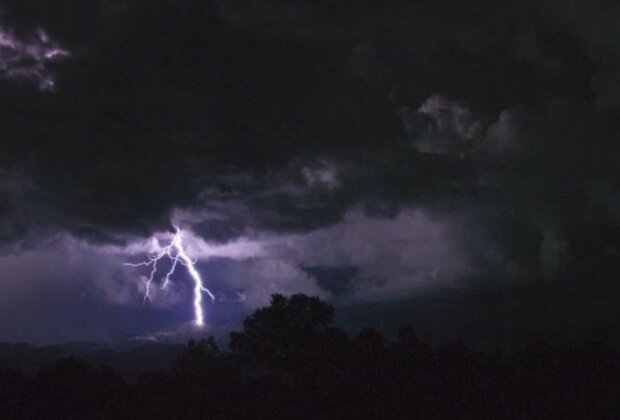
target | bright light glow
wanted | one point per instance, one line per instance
(175, 252)
(29, 57)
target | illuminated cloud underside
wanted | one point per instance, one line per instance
(28, 58)
(175, 252)
(185, 249)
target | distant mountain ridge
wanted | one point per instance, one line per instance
(128, 359)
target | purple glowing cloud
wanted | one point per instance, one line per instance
(28, 58)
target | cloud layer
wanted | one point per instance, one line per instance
(359, 153)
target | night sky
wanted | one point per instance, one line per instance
(449, 165)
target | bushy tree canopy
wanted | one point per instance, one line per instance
(282, 333)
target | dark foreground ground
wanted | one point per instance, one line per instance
(289, 362)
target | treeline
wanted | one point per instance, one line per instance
(289, 362)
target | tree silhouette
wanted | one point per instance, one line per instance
(302, 367)
(198, 354)
(73, 389)
(282, 334)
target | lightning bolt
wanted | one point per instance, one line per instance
(176, 253)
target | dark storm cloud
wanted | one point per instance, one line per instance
(158, 101)
(413, 143)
